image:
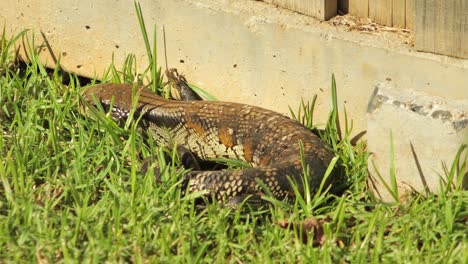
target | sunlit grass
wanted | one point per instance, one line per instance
(70, 190)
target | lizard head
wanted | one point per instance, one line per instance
(116, 99)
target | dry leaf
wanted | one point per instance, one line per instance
(307, 229)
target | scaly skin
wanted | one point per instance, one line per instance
(268, 141)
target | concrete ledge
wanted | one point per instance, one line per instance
(321, 9)
(241, 50)
(426, 131)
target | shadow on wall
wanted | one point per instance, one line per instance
(343, 6)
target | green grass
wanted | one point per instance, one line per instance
(70, 191)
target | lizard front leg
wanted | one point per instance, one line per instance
(180, 90)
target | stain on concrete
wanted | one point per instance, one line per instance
(441, 114)
(399, 104)
(376, 101)
(459, 125)
(435, 109)
(420, 109)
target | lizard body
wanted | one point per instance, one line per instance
(267, 140)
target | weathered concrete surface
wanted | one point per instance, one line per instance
(321, 9)
(426, 131)
(238, 50)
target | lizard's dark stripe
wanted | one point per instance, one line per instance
(267, 140)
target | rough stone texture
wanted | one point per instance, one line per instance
(238, 50)
(426, 131)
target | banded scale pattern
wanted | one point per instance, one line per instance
(267, 140)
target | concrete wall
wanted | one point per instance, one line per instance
(418, 133)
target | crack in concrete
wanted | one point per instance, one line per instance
(435, 110)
